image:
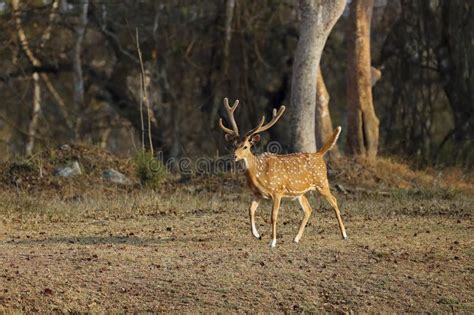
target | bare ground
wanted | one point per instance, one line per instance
(192, 251)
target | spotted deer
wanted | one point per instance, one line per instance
(277, 176)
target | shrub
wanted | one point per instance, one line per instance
(150, 170)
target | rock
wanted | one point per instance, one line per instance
(69, 170)
(116, 177)
(65, 147)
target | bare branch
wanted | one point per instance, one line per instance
(52, 16)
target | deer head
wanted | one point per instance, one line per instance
(242, 145)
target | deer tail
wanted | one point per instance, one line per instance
(331, 142)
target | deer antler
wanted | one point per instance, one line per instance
(230, 112)
(261, 127)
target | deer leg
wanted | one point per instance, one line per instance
(252, 210)
(276, 207)
(333, 202)
(307, 213)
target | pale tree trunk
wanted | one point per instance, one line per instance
(44, 40)
(22, 36)
(78, 93)
(33, 123)
(31, 56)
(324, 128)
(175, 149)
(223, 79)
(363, 124)
(229, 14)
(104, 137)
(30, 141)
(52, 16)
(317, 19)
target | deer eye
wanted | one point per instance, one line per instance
(245, 147)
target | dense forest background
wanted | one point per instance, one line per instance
(70, 72)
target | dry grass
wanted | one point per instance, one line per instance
(81, 245)
(36, 173)
(192, 251)
(388, 174)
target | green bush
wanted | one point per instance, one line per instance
(150, 170)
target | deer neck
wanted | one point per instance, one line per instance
(251, 165)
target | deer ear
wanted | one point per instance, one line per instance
(229, 137)
(255, 139)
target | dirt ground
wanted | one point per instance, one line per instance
(192, 251)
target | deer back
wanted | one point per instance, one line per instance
(291, 174)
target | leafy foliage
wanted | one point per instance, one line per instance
(151, 171)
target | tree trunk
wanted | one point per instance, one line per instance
(78, 93)
(104, 137)
(363, 124)
(31, 56)
(455, 55)
(52, 16)
(115, 89)
(223, 81)
(324, 128)
(33, 123)
(30, 141)
(317, 19)
(229, 14)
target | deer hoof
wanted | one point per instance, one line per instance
(273, 243)
(296, 240)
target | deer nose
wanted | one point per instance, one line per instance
(235, 157)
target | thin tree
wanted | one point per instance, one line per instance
(144, 83)
(324, 128)
(363, 124)
(32, 126)
(223, 80)
(78, 94)
(43, 75)
(455, 55)
(317, 19)
(229, 14)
